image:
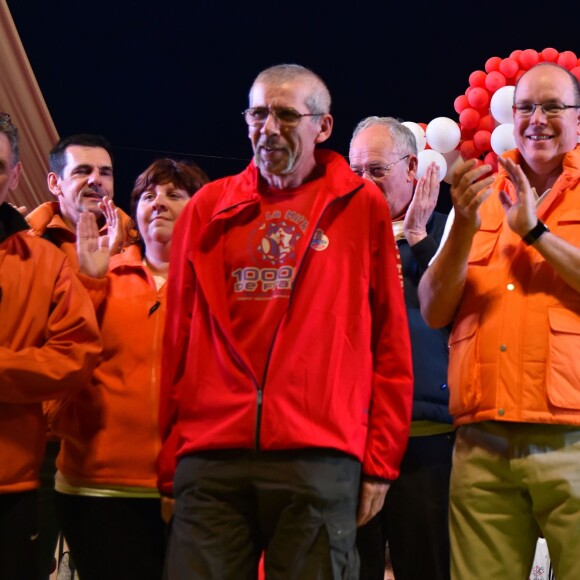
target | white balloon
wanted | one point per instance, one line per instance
(501, 104)
(453, 159)
(417, 130)
(502, 138)
(443, 134)
(426, 157)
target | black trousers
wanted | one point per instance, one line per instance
(19, 536)
(415, 517)
(113, 538)
(47, 521)
(298, 507)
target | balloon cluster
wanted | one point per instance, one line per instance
(485, 128)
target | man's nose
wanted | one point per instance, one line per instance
(95, 177)
(270, 125)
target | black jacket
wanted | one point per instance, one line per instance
(429, 346)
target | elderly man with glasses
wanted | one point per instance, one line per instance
(508, 277)
(414, 518)
(287, 366)
(49, 346)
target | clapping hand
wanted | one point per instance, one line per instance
(92, 249)
(114, 225)
(422, 205)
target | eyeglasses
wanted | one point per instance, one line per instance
(285, 116)
(549, 109)
(5, 119)
(377, 171)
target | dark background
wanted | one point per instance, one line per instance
(171, 78)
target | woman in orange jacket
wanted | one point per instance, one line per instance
(107, 498)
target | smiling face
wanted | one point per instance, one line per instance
(157, 209)
(543, 141)
(86, 178)
(374, 147)
(285, 155)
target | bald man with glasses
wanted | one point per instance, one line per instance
(508, 277)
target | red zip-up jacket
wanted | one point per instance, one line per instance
(339, 372)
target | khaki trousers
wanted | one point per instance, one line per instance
(510, 483)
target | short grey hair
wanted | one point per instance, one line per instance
(11, 132)
(318, 101)
(404, 140)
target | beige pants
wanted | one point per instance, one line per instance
(510, 483)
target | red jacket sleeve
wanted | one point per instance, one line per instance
(180, 285)
(392, 386)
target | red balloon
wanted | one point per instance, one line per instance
(478, 98)
(486, 123)
(469, 118)
(567, 59)
(482, 140)
(516, 54)
(460, 103)
(491, 159)
(508, 67)
(477, 78)
(550, 54)
(576, 72)
(518, 75)
(492, 64)
(529, 58)
(467, 134)
(495, 80)
(468, 150)
(423, 126)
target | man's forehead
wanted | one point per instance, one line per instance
(545, 79)
(374, 141)
(271, 93)
(5, 150)
(82, 155)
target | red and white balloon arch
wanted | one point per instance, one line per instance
(484, 128)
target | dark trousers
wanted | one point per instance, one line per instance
(47, 521)
(299, 507)
(415, 517)
(113, 538)
(19, 537)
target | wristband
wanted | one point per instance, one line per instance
(534, 234)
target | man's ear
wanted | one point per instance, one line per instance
(413, 165)
(53, 183)
(14, 176)
(325, 128)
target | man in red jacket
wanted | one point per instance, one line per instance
(287, 367)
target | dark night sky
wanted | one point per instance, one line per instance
(171, 78)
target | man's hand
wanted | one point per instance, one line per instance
(21, 209)
(371, 500)
(167, 508)
(114, 225)
(521, 213)
(422, 205)
(469, 191)
(92, 249)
